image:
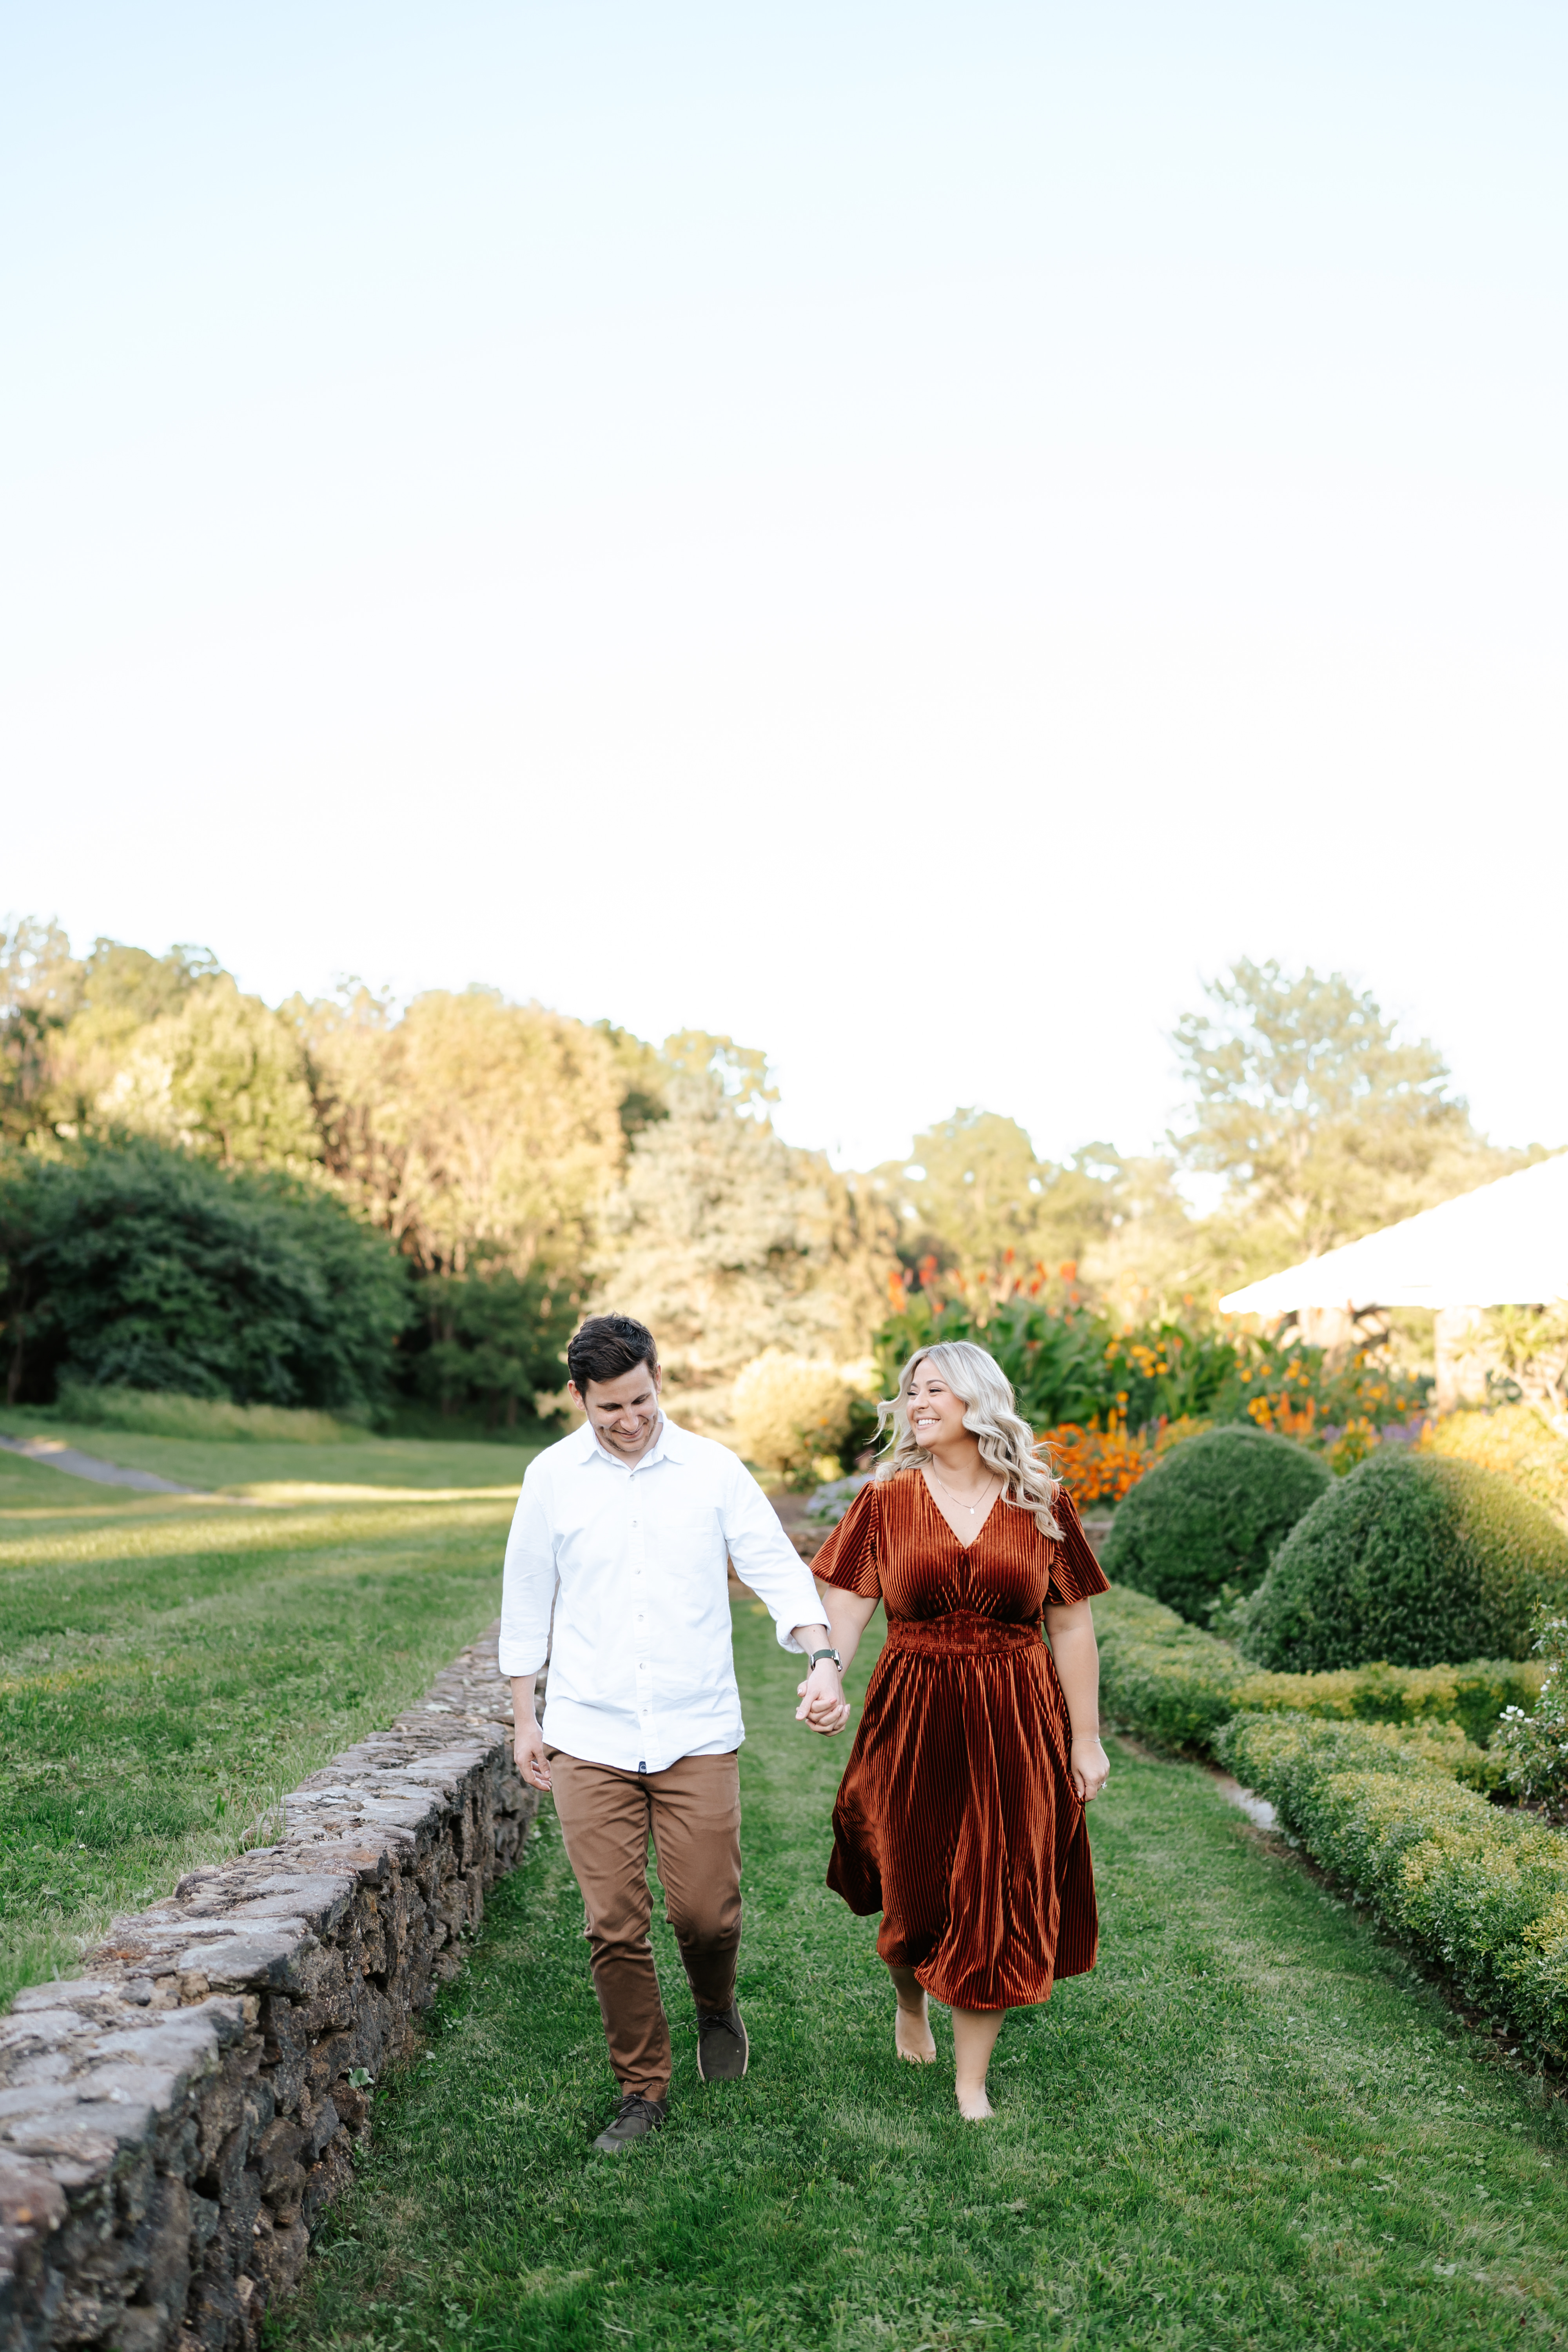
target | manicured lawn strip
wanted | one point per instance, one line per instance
(168, 1671)
(240, 1467)
(1252, 2126)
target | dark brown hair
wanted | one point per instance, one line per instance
(605, 1346)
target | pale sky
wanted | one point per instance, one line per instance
(905, 534)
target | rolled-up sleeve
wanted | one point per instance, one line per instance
(528, 1586)
(765, 1560)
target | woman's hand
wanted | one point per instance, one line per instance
(1090, 1767)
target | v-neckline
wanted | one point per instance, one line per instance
(965, 1548)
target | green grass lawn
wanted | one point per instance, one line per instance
(241, 1466)
(170, 1666)
(1253, 2126)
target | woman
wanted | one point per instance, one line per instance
(959, 1816)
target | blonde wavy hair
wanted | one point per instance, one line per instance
(1007, 1444)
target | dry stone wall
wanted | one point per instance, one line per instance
(174, 2120)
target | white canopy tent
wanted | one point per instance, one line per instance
(1505, 1244)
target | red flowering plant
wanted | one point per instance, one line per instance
(1108, 1401)
(1051, 1346)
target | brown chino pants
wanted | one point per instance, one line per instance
(692, 1811)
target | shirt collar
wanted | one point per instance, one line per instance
(662, 1450)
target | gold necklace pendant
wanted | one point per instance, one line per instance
(953, 1499)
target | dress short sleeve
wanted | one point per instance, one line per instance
(1076, 1573)
(849, 1559)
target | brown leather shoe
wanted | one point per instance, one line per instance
(722, 2049)
(635, 2119)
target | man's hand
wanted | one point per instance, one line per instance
(528, 1749)
(823, 1705)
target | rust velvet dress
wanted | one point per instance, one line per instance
(956, 1817)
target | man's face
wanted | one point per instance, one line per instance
(624, 1412)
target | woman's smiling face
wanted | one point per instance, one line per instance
(936, 1416)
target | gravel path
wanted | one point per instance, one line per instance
(56, 1455)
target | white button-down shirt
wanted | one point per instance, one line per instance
(633, 1562)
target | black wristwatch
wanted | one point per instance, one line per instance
(817, 1656)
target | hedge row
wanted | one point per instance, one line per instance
(1482, 1892)
(1167, 1679)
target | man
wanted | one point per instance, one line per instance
(624, 1527)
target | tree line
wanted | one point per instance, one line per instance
(333, 1201)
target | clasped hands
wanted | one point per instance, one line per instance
(823, 1705)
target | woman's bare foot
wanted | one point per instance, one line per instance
(974, 2038)
(912, 2036)
(974, 2032)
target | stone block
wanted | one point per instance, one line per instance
(29, 2199)
(260, 1961)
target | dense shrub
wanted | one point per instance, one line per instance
(1164, 1678)
(1200, 1530)
(793, 1414)
(143, 1266)
(1531, 1743)
(1413, 1559)
(1482, 1892)
(1517, 1441)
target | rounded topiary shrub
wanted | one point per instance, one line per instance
(1413, 1558)
(1201, 1527)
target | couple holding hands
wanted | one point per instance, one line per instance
(959, 1817)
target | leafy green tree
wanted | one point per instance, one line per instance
(972, 1187)
(1321, 1122)
(1121, 1220)
(126, 979)
(726, 1241)
(471, 1130)
(148, 1267)
(739, 1073)
(974, 1197)
(40, 989)
(644, 1075)
(224, 1076)
(124, 990)
(493, 1340)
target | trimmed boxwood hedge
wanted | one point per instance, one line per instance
(1200, 1529)
(1481, 1892)
(1412, 1559)
(1163, 1679)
